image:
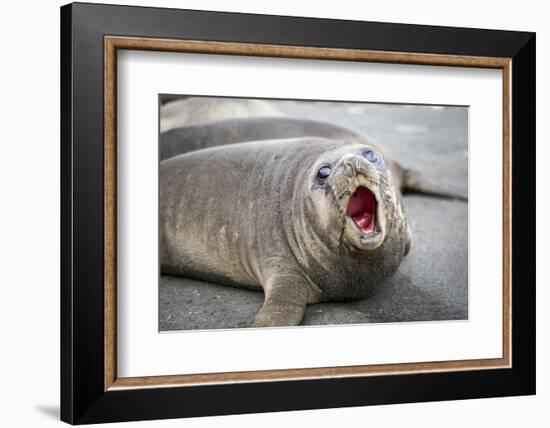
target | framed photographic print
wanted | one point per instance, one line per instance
(265, 213)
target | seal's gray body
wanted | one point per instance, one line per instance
(200, 110)
(252, 215)
(221, 132)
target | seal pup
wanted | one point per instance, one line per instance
(231, 131)
(306, 220)
(199, 110)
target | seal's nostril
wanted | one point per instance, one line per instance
(349, 169)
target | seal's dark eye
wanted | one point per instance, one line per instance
(371, 156)
(323, 173)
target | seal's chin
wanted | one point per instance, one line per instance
(363, 218)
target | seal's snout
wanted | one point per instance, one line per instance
(352, 166)
(362, 209)
(356, 185)
(362, 203)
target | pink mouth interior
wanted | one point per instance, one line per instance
(362, 209)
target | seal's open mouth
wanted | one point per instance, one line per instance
(362, 209)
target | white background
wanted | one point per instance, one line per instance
(29, 224)
(143, 352)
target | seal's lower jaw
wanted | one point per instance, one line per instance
(363, 219)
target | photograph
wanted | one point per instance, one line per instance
(291, 212)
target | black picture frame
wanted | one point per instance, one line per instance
(83, 396)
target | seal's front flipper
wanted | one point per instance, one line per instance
(286, 297)
(415, 182)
